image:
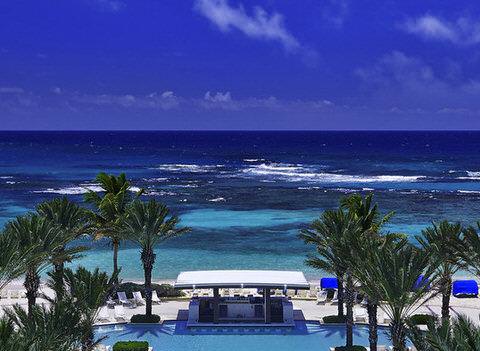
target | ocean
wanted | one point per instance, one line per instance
(246, 195)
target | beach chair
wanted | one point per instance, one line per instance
(379, 348)
(119, 313)
(226, 292)
(137, 297)
(360, 315)
(322, 297)
(14, 294)
(103, 314)
(335, 298)
(155, 298)
(314, 289)
(385, 318)
(4, 294)
(122, 298)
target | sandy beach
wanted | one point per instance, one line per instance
(305, 308)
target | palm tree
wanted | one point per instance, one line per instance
(148, 224)
(72, 221)
(89, 290)
(331, 235)
(368, 215)
(109, 209)
(441, 241)
(469, 249)
(54, 328)
(460, 334)
(388, 274)
(45, 240)
(14, 258)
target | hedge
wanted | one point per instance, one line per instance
(130, 346)
(422, 319)
(334, 319)
(353, 348)
(142, 318)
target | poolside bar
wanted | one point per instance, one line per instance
(254, 309)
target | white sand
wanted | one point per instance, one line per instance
(169, 309)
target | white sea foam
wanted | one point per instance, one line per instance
(468, 191)
(10, 182)
(184, 185)
(6, 177)
(77, 190)
(189, 168)
(253, 159)
(218, 199)
(298, 172)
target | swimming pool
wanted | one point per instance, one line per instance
(175, 336)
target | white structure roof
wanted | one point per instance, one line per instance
(241, 279)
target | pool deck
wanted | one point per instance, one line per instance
(171, 309)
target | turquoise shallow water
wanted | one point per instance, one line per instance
(246, 195)
(174, 336)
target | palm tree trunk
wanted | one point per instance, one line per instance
(340, 295)
(115, 260)
(349, 321)
(58, 272)
(447, 291)
(372, 325)
(148, 259)
(398, 335)
(32, 284)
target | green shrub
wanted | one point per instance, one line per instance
(163, 290)
(422, 319)
(130, 346)
(353, 348)
(334, 319)
(142, 318)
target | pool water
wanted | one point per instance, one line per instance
(175, 336)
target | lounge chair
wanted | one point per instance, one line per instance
(103, 314)
(119, 313)
(122, 298)
(322, 297)
(379, 348)
(137, 297)
(360, 315)
(335, 297)
(4, 294)
(14, 294)
(155, 298)
(385, 318)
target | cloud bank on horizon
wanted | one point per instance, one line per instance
(240, 64)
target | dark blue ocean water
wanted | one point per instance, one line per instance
(246, 194)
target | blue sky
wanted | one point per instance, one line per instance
(238, 64)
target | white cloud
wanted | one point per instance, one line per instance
(409, 83)
(258, 25)
(11, 90)
(218, 97)
(109, 5)
(335, 12)
(463, 31)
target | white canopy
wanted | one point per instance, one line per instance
(242, 279)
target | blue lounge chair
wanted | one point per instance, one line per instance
(329, 283)
(463, 288)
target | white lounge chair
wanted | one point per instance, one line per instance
(335, 297)
(379, 348)
(119, 313)
(360, 315)
(122, 298)
(155, 298)
(137, 297)
(4, 294)
(322, 297)
(385, 318)
(14, 294)
(103, 314)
